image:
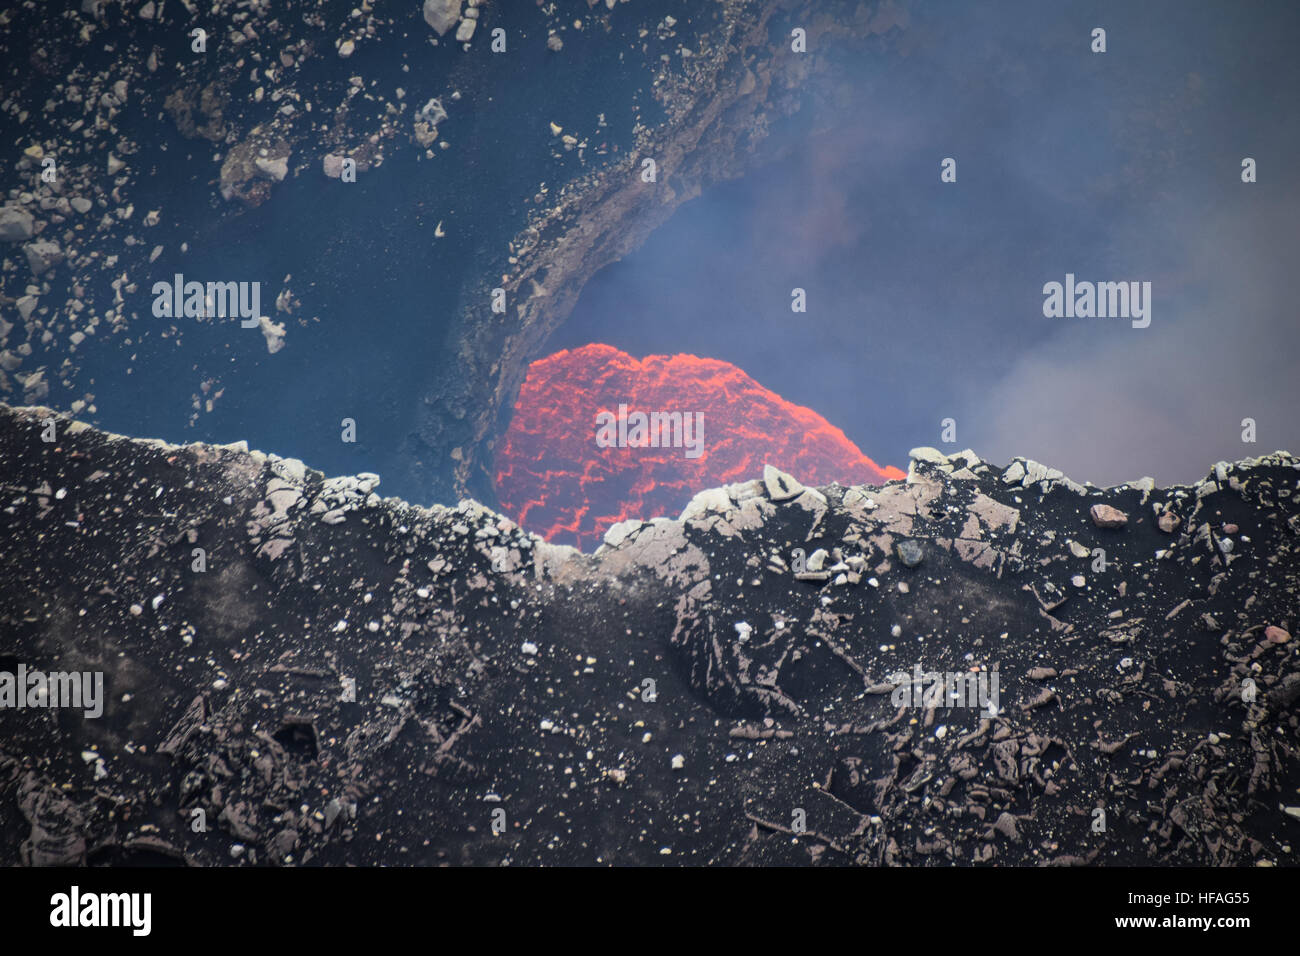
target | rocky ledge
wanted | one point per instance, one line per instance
(298, 671)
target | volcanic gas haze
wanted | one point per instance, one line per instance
(598, 437)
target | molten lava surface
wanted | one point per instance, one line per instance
(554, 478)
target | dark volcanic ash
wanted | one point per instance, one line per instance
(350, 679)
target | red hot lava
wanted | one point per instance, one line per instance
(554, 476)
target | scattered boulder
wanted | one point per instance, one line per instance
(441, 15)
(42, 255)
(779, 485)
(910, 552)
(275, 169)
(273, 332)
(35, 387)
(619, 532)
(1006, 825)
(16, 224)
(926, 453)
(432, 112)
(1106, 516)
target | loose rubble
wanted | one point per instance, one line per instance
(344, 666)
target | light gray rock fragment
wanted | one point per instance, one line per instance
(16, 224)
(42, 255)
(441, 15)
(779, 485)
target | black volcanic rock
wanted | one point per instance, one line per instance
(350, 679)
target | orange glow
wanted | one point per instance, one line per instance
(553, 478)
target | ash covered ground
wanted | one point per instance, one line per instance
(500, 679)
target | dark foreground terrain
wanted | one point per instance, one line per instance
(683, 696)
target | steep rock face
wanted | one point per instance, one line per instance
(334, 677)
(718, 107)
